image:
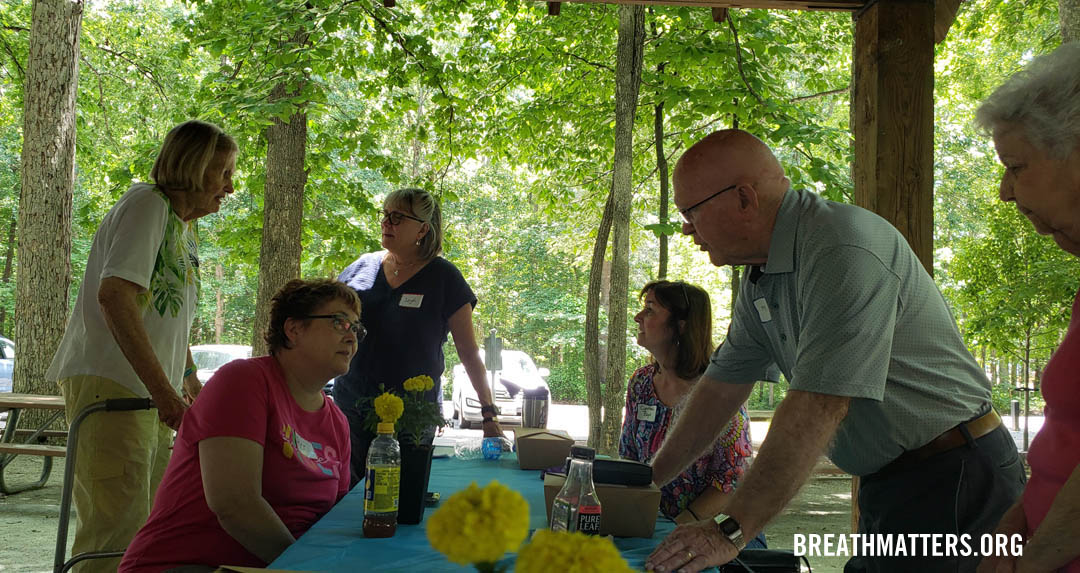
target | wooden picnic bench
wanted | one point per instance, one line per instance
(32, 445)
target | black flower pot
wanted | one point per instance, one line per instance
(415, 471)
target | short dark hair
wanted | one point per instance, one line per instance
(301, 297)
(689, 303)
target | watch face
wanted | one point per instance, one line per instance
(729, 527)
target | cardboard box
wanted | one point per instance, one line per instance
(538, 448)
(627, 511)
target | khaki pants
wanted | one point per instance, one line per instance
(121, 459)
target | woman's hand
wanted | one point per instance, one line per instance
(192, 387)
(492, 429)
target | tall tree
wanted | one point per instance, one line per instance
(628, 64)
(48, 178)
(283, 198)
(1069, 14)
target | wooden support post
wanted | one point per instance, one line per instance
(719, 15)
(389, 3)
(553, 8)
(854, 504)
(893, 118)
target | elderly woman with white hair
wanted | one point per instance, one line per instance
(128, 334)
(1035, 121)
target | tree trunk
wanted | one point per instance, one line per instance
(735, 283)
(662, 173)
(593, 382)
(1069, 15)
(1027, 386)
(994, 365)
(48, 178)
(283, 213)
(219, 312)
(9, 255)
(627, 86)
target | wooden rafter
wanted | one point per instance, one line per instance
(842, 5)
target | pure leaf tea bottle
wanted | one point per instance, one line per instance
(577, 507)
(381, 484)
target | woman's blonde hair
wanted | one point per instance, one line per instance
(424, 206)
(187, 152)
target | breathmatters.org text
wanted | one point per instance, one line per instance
(907, 545)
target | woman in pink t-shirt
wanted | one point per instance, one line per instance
(263, 453)
(1035, 121)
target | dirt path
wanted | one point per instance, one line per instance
(28, 520)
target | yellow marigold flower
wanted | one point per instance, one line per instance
(389, 407)
(562, 551)
(479, 525)
(419, 383)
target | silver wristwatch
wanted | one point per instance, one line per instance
(729, 528)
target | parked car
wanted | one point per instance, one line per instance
(209, 357)
(519, 373)
(7, 364)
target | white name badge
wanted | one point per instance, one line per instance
(762, 307)
(303, 446)
(411, 300)
(646, 413)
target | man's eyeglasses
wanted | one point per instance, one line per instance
(343, 325)
(686, 212)
(395, 217)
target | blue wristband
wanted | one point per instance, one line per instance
(189, 371)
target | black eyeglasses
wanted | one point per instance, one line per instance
(343, 325)
(395, 217)
(686, 212)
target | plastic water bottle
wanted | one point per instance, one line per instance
(381, 484)
(492, 448)
(577, 507)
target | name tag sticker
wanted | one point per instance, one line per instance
(646, 413)
(762, 307)
(411, 300)
(303, 446)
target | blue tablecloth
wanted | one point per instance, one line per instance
(337, 543)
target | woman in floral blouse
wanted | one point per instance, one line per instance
(675, 326)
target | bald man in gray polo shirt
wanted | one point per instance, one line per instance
(881, 380)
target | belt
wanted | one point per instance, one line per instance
(951, 439)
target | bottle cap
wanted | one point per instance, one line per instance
(582, 453)
(386, 428)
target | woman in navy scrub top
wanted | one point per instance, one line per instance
(412, 298)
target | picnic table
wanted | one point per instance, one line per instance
(33, 444)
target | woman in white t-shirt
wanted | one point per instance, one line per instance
(128, 334)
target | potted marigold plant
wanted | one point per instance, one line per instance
(417, 422)
(478, 526)
(565, 551)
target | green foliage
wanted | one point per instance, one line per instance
(418, 416)
(507, 115)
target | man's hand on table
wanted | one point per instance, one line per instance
(692, 547)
